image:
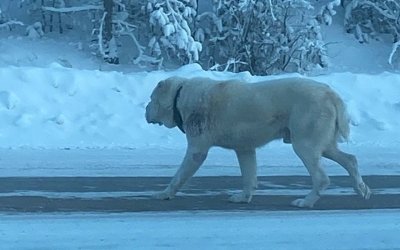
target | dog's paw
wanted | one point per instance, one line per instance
(163, 195)
(363, 190)
(240, 198)
(302, 203)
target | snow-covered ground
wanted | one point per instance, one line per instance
(272, 160)
(234, 230)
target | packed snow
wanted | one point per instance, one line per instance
(204, 230)
(157, 161)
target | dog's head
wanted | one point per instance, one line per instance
(160, 109)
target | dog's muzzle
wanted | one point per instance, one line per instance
(147, 115)
(149, 119)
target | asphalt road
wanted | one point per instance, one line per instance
(131, 194)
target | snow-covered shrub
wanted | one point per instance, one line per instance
(264, 36)
(369, 18)
(124, 23)
(35, 31)
(171, 24)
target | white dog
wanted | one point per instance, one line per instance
(241, 116)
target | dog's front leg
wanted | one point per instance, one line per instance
(191, 163)
(248, 167)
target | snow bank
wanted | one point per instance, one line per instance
(58, 107)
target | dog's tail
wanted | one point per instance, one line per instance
(342, 118)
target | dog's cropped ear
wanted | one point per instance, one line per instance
(161, 85)
(165, 84)
(170, 85)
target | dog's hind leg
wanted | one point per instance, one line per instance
(320, 180)
(349, 162)
(248, 167)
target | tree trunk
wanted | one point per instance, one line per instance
(109, 40)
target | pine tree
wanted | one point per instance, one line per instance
(265, 37)
(171, 24)
(109, 39)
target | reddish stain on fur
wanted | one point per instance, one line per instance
(195, 124)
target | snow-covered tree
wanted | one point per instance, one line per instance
(327, 12)
(264, 36)
(111, 50)
(368, 19)
(171, 24)
(63, 14)
(124, 23)
(6, 23)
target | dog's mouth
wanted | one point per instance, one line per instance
(153, 122)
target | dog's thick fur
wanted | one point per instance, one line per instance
(243, 117)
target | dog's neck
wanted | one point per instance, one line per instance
(177, 115)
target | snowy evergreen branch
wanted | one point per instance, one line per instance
(171, 23)
(395, 49)
(367, 19)
(100, 36)
(272, 11)
(327, 12)
(120, 4)
(125, 28)
(387, 12)
(226, 66)
(10, 23)
(73, 9)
